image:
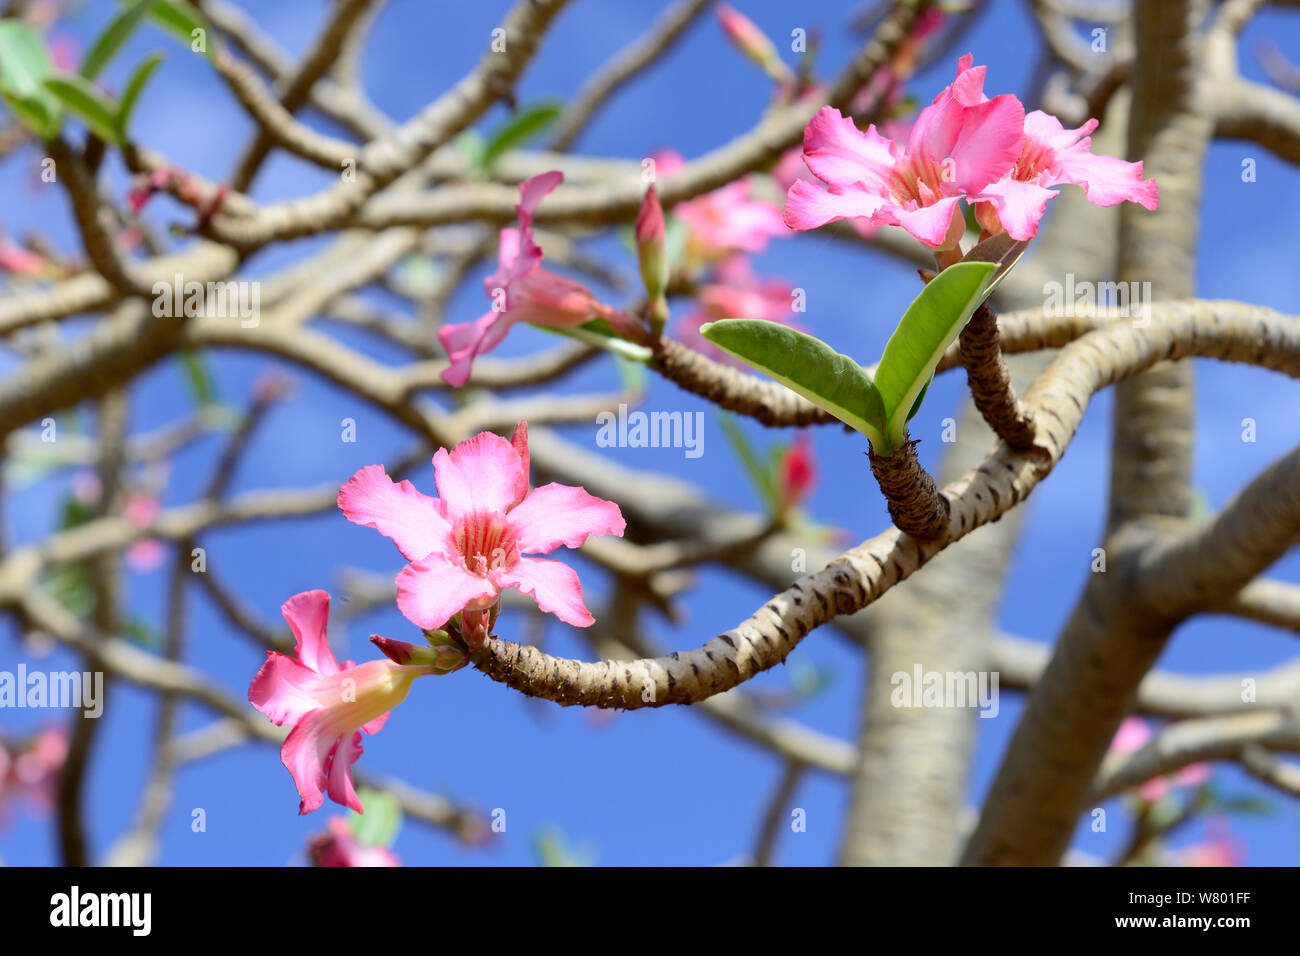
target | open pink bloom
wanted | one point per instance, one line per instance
(736, 293)
(959, 144)
(724, 221)
(522, 291)
(1050, 155)
(1134, 734)
(338, 847)
(467, 545)
(328, 704)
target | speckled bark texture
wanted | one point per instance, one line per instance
(990, 382)
(915, 504)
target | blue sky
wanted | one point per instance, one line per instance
(652, 787)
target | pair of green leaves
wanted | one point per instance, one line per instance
(881, 406)
(39, 95)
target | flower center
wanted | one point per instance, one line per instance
(1034, 159)
(918, 180)
(485, 543)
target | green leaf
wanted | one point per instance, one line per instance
(519, 129)
(24, 64)
(33, 114)
(90, 105)
(181, 20)
(597, 332)
(931, 323)
(198, 377)
(1001, 250)
(134, 87)
(759, 475)
(809, 366)
(112, 37)
(378, 826)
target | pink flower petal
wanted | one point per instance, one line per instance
(555, 587)
(533, 191)
(415, 522)
(1020, 206)
(555, 515)
(346, 752)
(519, 441)
(429, 592)
(840, 154)
(481, 474)
(1108, 181)
(807, 207)
(930, 224)
(308, 614)
(466, 341)
(313, 760)
(989, 142)
(283, 689)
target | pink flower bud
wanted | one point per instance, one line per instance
(651, 248)
(752, 42)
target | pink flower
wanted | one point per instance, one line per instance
(798, 472)
(147, 554)
(467, 545)
(724, 221)
(21, 261)
(652, 255)
(1221, 849)
(522, 291)
(752, 42)
(1050, 155)
(33, 772)
(736, 293)
(959, 143)
(338, 847)
(330, 705)
(1134, 734)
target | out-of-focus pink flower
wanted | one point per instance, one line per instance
(886, 86)
(724, 221)
(86, 487)
(147, 554)
(145, 187)
(32, 773)
(522, 291)
(65, 52)
(1223, 848)
(338, 847)
(798, 472)
(735, 292)
(753, 42)
(468, 544)
(1134, 734)
(959, 144)
(21, 261)
(1051, 155)
(329, 704)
